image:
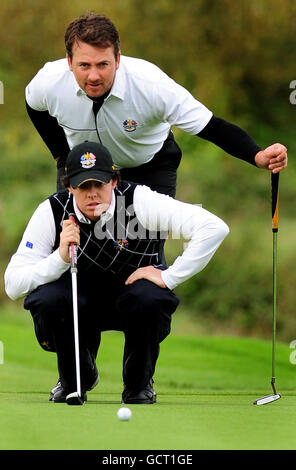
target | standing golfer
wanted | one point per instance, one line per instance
(128, 105)
(122, 284)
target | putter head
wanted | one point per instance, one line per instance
(267, 399)
(74, 399)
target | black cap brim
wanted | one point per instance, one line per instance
(80, 178)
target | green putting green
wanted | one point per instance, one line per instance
(205, 390)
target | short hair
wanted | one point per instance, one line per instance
(94, 29)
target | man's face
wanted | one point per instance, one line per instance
(93, 198)
(94, 68)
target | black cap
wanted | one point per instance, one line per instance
(89, 161)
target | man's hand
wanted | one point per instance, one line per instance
(69, 234)
(273, 158)
(150, 273)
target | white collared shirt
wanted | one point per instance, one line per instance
(136, 116)
(35, 263)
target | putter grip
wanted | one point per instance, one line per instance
(275, 201)
(73, 251)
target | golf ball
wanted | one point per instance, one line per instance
(124, 413)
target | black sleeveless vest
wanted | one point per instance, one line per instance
(120, 246)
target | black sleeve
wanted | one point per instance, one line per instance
(231, 138)
(51, 133)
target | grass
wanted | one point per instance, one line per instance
(205, 388)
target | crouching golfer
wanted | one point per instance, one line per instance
(121, 283)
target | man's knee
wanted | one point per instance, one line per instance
(46, 299)
(143, 301)
(149, 294)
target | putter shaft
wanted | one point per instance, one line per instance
(73, 263)
(274, 309)
(76, 336)
(275, 211)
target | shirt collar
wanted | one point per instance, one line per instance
(77, 88)
(104, 217)
(119, 84)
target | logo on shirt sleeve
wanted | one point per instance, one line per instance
(29, 245)
(130, 125)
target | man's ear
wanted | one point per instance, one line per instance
(69, 62)
(117, 60)
(70, 189)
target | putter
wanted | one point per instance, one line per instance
(275, 219)
(75, 397)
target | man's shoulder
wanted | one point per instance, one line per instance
(54, 75)
(52, 80)
(125, 186)
(141, 69)
(56, 67)
(59, 199)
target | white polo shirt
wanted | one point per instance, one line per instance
(136, 116)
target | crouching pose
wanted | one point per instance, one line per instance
(122, 284)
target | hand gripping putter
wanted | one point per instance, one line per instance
(75, 397)
(275, 219)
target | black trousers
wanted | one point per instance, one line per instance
(142, 311)
(160, 174)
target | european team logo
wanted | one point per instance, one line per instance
(87, 160)
(130, 125)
